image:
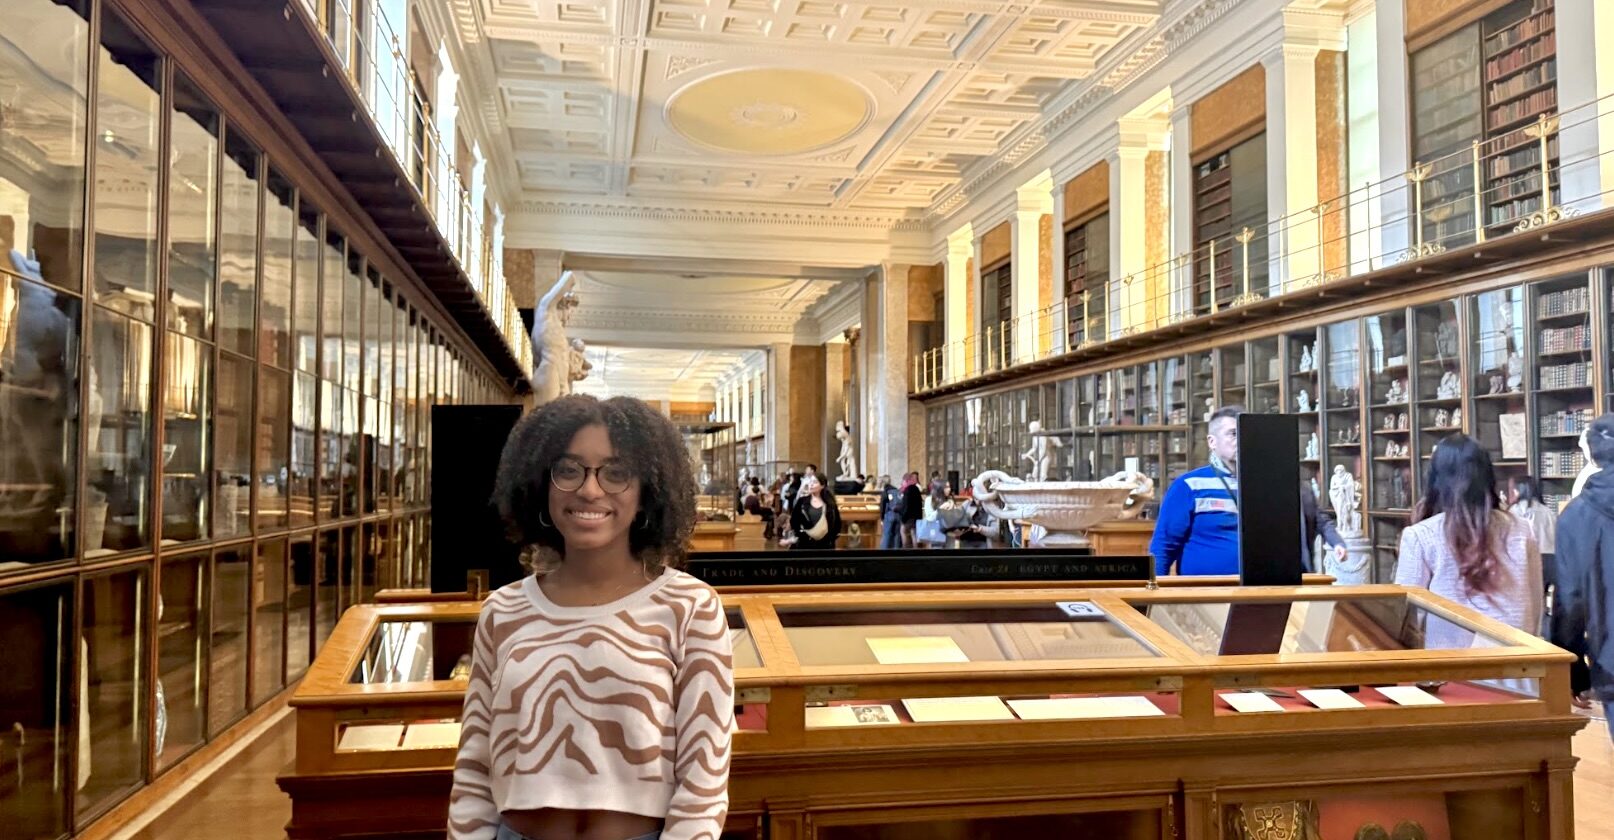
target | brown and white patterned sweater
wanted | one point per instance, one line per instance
(627, 707)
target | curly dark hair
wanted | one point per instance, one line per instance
(644, 440)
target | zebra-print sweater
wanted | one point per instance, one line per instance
(622, 707)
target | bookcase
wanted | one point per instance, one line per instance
(1087, 274)
(1565, 398)
(1229, 195)
(1489, 82)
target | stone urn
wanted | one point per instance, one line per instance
(1064, 509)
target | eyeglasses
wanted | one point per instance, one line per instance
(569, 475)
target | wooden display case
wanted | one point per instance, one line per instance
(1080, 712)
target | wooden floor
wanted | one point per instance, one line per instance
(242, 802)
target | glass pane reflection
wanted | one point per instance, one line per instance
(36, 741)
(269, 621)
(1002, 634)
(192, 223)
(416, 651)
(187, 444)
(44, 67)
(299, 607)
(233, 436)
(273, 447)
(238, 243)
(39, 359)
(181, 658)
(127, 108)
(303, 449)
(328, 588)
(305, 297)
(117, 510)
(279, 226)
(1376, 623)
(112, 713)
(227, 638)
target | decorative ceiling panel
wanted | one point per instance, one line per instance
(835, 105)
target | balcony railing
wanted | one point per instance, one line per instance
(1506, 188)
(367, 44)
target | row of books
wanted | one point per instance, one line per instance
(1566, 339)
(1566, 463)
(1529, 106)
(1572, 375)
(1564, 302)
(1515, 59)
(1568, 422)
(1534, 77)
(1519, 33)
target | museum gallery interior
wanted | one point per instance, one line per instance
(278, 278)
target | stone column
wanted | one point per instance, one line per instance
(1392, 200)
(887, 385)
(1056, 252)
(956, 326)
(1586, 145)
(779, 402)
(1130, 200)
(1181, 278)
(1034, 199)
(1291, 165)
(826, 447)
(446, 110)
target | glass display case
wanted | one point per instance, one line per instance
(1201, 403)
(1438, 378)
(841, 693)
(1303, 397)
(1565, 396)
(1233, 377)
(1266, 377)
(1497, 382)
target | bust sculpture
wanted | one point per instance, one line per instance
(1307, 362)
(1311, 447)
(1041, 453)
(1450, 386)
(1303, 401)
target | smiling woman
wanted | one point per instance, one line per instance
(627, 660)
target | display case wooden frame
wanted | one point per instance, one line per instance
(1183, 767)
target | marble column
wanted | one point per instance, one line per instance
(1130, 307)
(1181, 278)
(826, 447)
(1033, 200)
(779, 402)
(1056, 249)
(1586, 146)
(1292, 241)
(888, 382)
(1395, 231)
(956, 327)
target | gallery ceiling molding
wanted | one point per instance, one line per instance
(661, 373)
(1143, 53)
(643, 308)
(626, 100)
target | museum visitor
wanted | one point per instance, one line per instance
(1198, 528)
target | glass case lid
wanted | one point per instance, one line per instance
(1352, 624)
(415, 651)
(915, 635)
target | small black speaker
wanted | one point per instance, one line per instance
(1269, 500)
(467, 534)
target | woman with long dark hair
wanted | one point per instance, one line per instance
(1462, 546)
(816, 518)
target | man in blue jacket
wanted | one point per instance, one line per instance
(1198, 530)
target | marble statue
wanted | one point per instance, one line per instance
(1401, 421)
(1345, 492)
(1389, 422)
(1496, 384)
(1442, 419)
(1398, 392)
(578, 364)
(1515, 372)
(1446, 340)
(1308, 363)
(846, 460)
(1303, 401)
(1041, 453)
(1457, 418)
(552, 377)
(1311, 447)
(1450, 386)
(1210, 408)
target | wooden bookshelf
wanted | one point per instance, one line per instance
(1087, 270)
(1520, 70)
(1213, 228)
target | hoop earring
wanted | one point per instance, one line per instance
(544, 522)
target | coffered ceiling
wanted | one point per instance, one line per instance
(691, 309)
(850, 106)
(660, 373)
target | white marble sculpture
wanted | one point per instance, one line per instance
(1311, 447)
(1303, 401)
(1442, 419)
(1457, 418)
(1398, 392)
(1450, 386)
(1307, 362)
(1346, 494)
(1587, 471)
(578, 364)
(1210, 408)
(551, 378)
(1064, 509)
(846, 460)
(1515, 369)
(1041, 453)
